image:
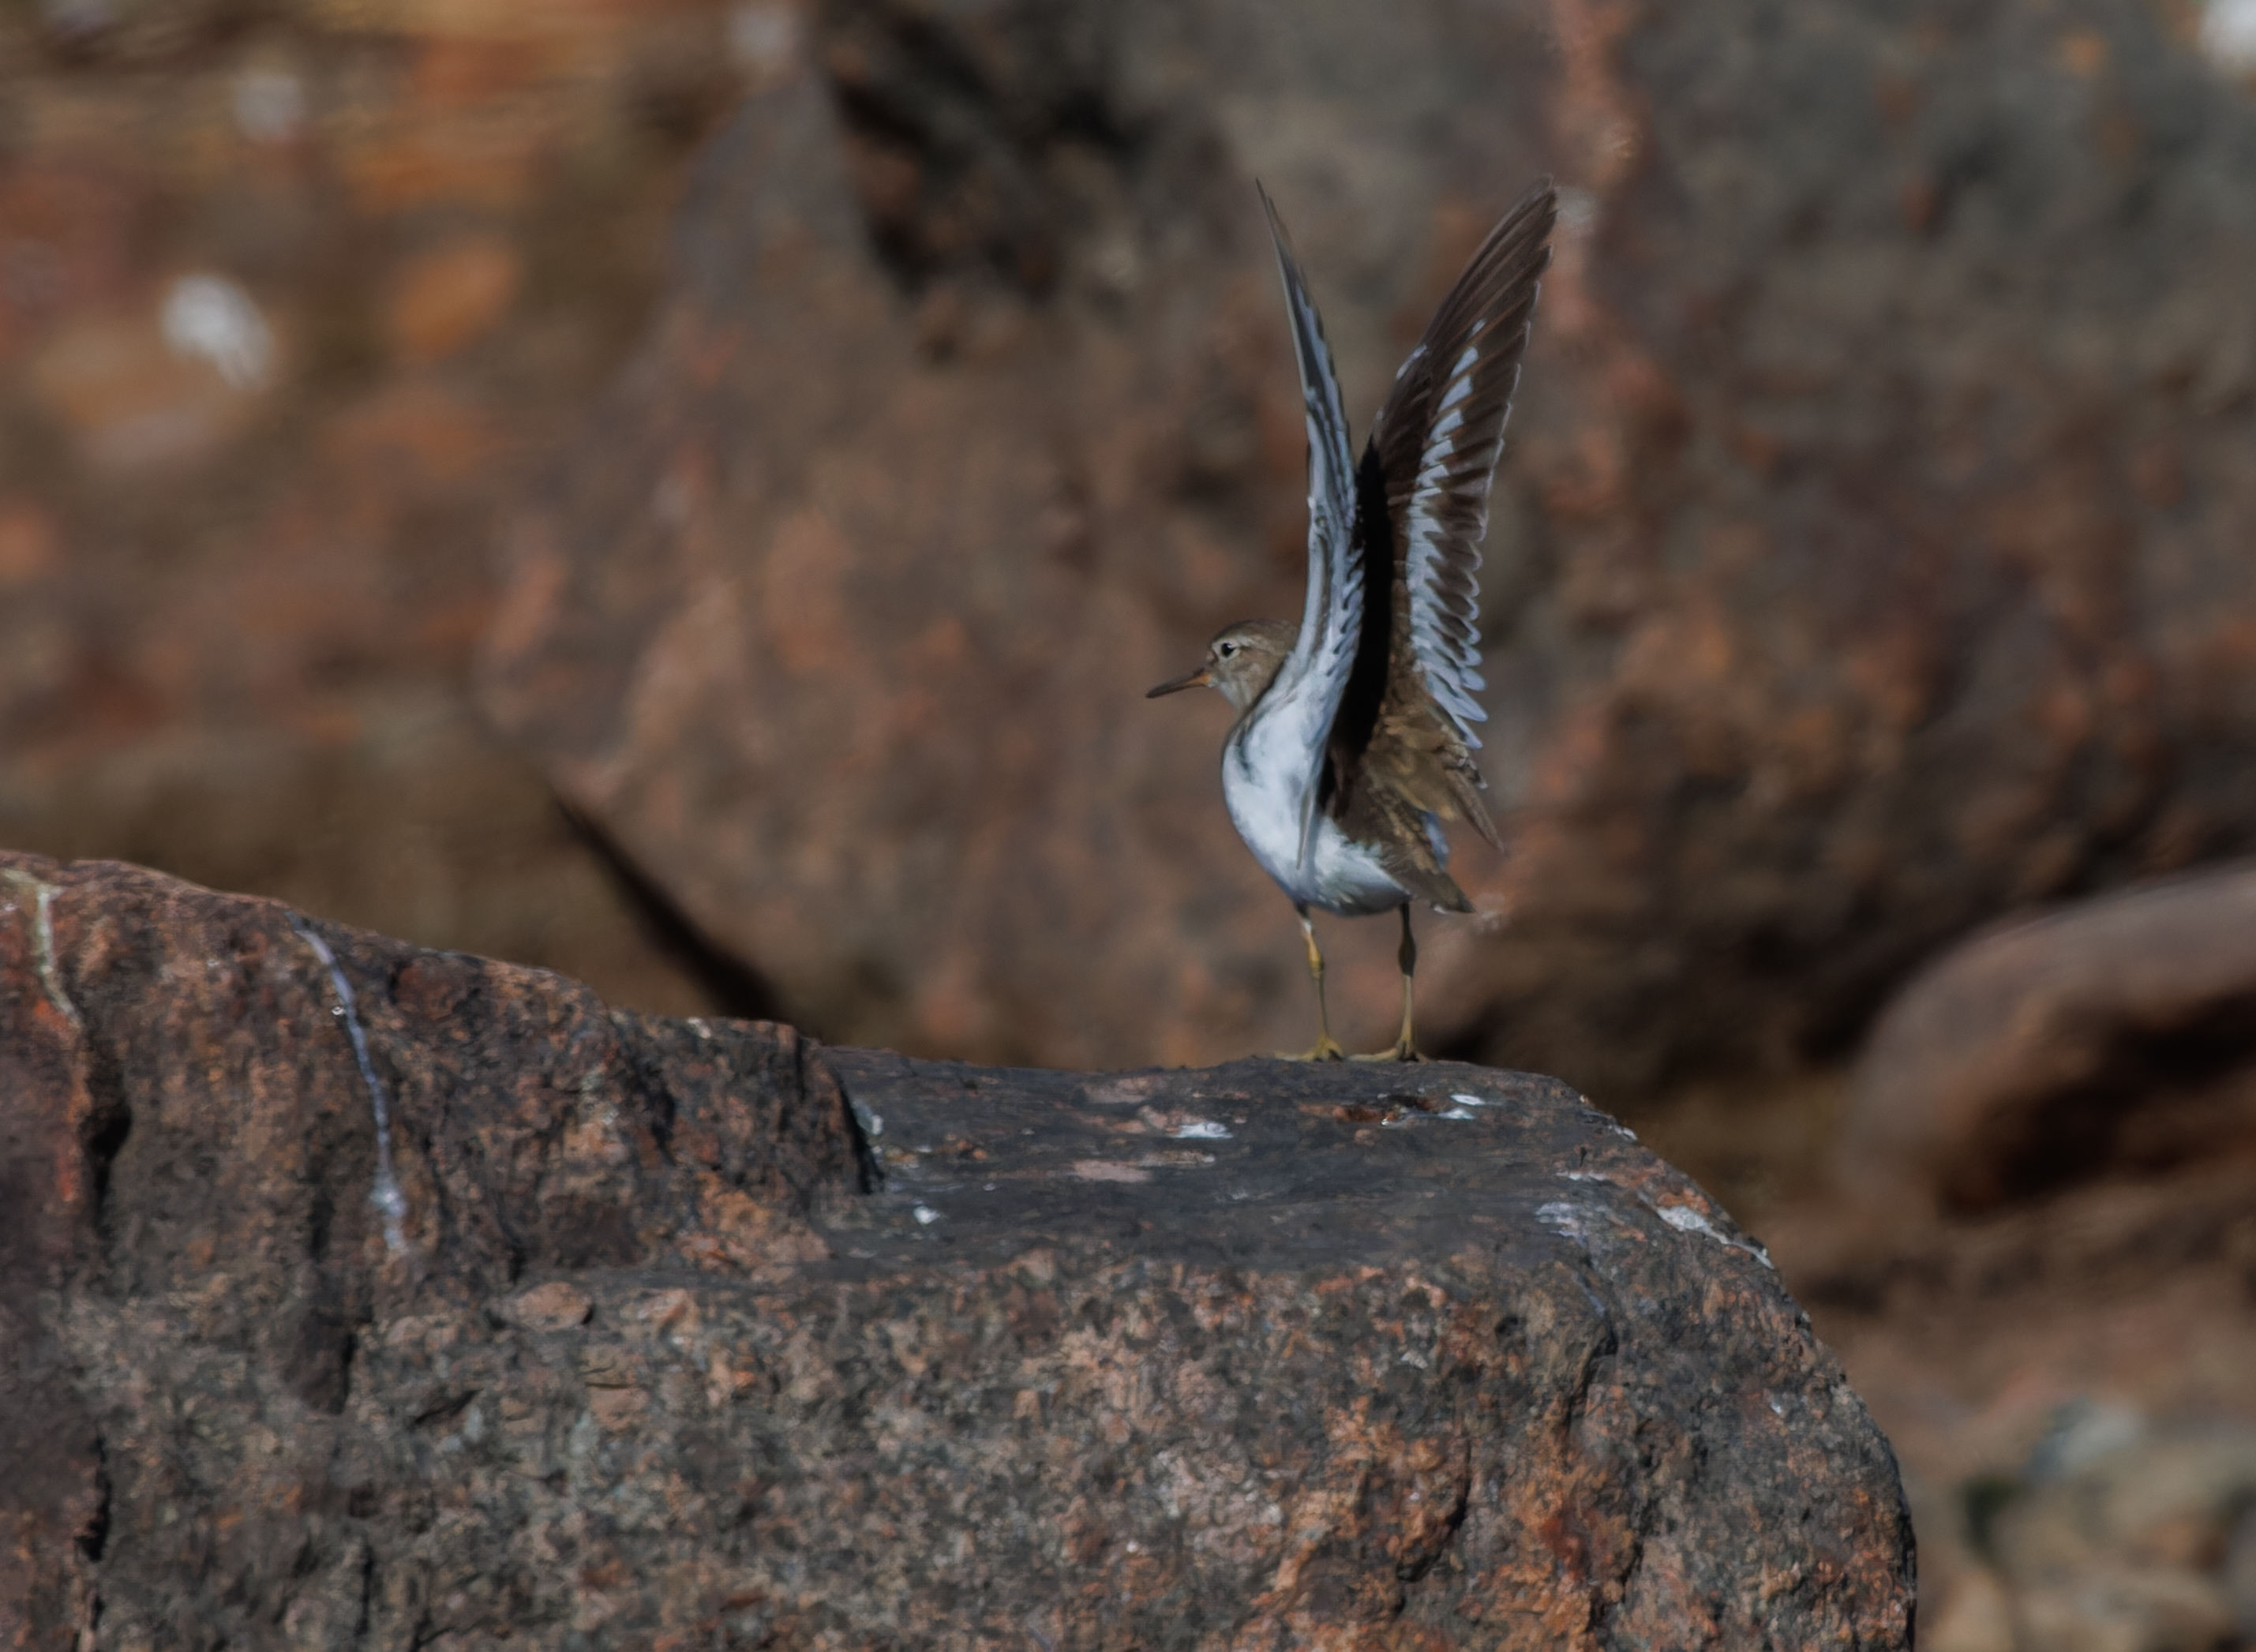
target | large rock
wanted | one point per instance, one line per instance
(424, 1301)
(1867, 561)
(2112, 1036)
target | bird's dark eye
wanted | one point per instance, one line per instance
(1226, 649)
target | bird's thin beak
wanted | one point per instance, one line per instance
(1200, 679)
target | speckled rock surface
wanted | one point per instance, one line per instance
(667, 1350)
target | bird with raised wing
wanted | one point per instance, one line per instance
(1354, 740)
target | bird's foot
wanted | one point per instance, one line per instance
(1403, 1050)
(1326, 1049)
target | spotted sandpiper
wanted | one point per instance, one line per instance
(1353, 742)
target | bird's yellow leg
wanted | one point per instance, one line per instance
(1407, 957)
(1326, 1048)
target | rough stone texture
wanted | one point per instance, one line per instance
(1258, 1356)
(2111, 1036)
(1868, 561)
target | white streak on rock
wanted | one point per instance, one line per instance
(269, 105)
(1202, 1130)
(50, 977)
(1562, 1216)
(43, 944)
(2228, 33)
(386, 1197)
(763, 38)
(1685, 1219)
(210, 317)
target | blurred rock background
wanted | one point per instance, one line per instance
(690, 495)
(293, 298)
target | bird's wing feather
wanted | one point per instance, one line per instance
(1296, 713)
(1439, 438)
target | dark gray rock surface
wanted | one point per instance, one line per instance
(666, 1351)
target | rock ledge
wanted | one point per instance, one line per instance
(668, 1351)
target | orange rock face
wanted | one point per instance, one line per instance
(451, 295)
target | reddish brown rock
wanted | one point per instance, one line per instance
(237, 602)
(1256, 1356)
(53, 1513)
(1867, 560)
(449, 296)
(2116, 1036)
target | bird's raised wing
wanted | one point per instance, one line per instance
(1294, 717)
(1438, 440)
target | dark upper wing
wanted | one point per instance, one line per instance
(1438, 439)
(1294, 716)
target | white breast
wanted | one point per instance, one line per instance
(1264, 805)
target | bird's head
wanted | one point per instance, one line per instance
(1241, 661)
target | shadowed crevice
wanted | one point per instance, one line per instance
(735, 988)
